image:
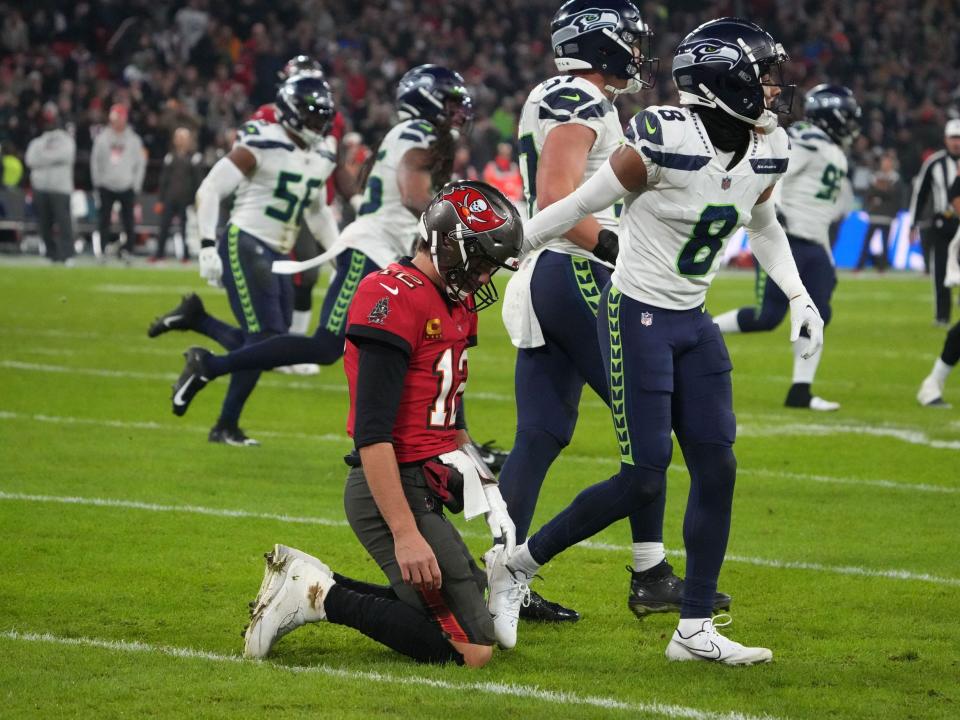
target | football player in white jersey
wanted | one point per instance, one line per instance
(808, 200)
(276, 173)
(568, 128)
(691, 175)
(411, 162)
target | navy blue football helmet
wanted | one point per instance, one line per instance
(435, 94)
(608, 36)
(301, 65)
(834, 109)
(726, 64)
(305, 107)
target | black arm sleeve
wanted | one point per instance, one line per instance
(461, 421)
(380, 374)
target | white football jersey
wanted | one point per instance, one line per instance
(809, 194)
(559, 100)
(385, 230)
(672, 235)
(287, 182)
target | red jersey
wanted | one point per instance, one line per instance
(402, 307)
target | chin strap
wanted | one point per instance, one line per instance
(766, 123)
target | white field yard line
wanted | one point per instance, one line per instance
(172, 427)
(590, 401)
(894, 574)
(526, 692)
(592, 460)
(155, 507)
(908, 435)
(611, 465)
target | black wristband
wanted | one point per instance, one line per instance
(206, 242)
(608, 246)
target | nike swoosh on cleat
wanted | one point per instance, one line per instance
(178, 397)
(704, 653)
(391, 290)
(171, 319)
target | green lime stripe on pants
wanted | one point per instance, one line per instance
(338, 316)
(240, 280)
(583, 272)
(617, 384)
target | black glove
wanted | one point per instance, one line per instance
(608, 246)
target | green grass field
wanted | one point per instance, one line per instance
(131, 545)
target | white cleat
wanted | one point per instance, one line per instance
(930, 393)
(296, 601)
(507, 593)
(708, 644)
(277, 561)
(821, 405)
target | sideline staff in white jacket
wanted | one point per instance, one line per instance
(50, 157)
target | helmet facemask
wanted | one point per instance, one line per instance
(462, 262)
(640, 71)
(307, 112)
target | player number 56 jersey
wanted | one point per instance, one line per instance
(270, 203)
(672, 235)
(567, 99)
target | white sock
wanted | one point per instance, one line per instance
(727, 322)
(941, 371)
(647, 555)
(804, 370)
(689, 626)
(301, 322)
(522, 561)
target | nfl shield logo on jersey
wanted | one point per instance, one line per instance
(646, 319)
(725, 183)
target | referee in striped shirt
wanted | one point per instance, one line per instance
(933, 214)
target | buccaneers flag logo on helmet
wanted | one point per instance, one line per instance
(474, 209)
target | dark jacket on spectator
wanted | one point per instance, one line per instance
(180, 178)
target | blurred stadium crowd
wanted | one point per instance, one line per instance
(207, 65)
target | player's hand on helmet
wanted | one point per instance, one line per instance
(608, 246)
(211, 266)
(501, 526)
(804, 314)
(417, 561)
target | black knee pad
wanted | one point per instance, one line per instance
(713, 467)
(645, 484)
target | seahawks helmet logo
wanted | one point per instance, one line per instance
(586, 21)
(709, 51)
(714, 51)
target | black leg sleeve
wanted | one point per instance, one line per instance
(365, 588)
(392, 623)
